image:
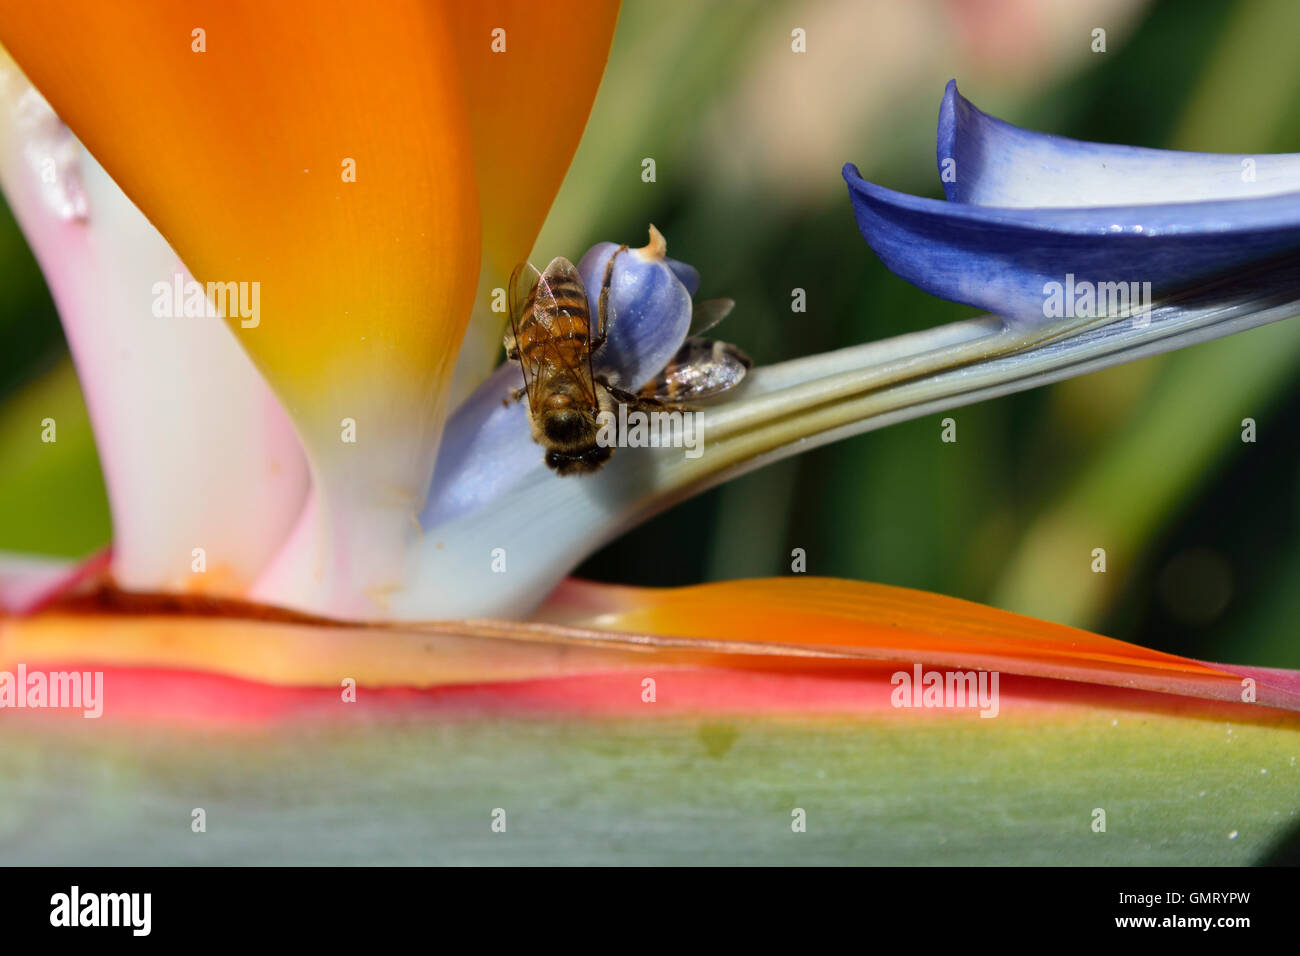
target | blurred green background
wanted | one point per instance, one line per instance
(1201, 530)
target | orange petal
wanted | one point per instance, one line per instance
(241, 155)
(529, 92)
(792, 617)
(796, 645)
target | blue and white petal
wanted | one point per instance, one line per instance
(650, 297)
(1014, 261)
(985, 161)
(487, 449)
(1031, 219)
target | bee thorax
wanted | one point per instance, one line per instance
(567, 429)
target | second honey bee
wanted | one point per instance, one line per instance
(552, 338)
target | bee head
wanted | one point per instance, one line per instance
(582, 463)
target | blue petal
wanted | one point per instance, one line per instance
(1031, 214)
(651, 308)
(987, 162)
(487, 447)
(686, 274)
(1004, 260)
(486, 450)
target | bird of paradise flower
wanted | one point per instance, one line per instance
(348, 636)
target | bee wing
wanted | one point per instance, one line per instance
(705, 315)
(524, 283)
(561, 305)
(700, 369)
(560, 292)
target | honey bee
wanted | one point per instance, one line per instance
(702, 367)
(552, 339)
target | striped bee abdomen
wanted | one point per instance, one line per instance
(555, 325)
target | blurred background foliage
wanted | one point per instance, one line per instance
(1201, 530)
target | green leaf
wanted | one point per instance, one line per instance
(923, 789)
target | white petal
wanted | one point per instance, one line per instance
(196, 452)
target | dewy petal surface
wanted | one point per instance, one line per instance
(241, 143)
(196, 452)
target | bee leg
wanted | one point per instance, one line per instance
(630, 399)
(516, 395)
(621, 396)
(602, 308)
(642, 400)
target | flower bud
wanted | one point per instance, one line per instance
(649, 308)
